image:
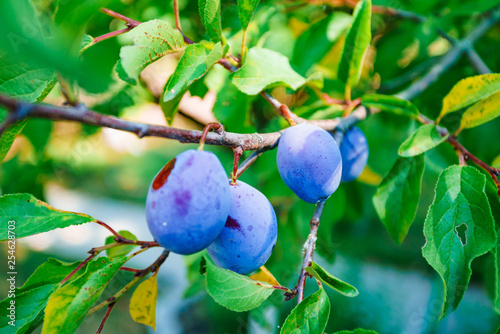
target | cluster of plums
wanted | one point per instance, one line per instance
(191, 204)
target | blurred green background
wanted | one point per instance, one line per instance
(106, 173)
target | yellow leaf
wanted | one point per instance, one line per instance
(468, 91)
(265, 275)
(370, 177)
(482, 112)
(143, 302)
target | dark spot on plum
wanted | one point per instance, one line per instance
(182, 199)
(233, 224)
(162, 176)
(250, 227)
(239, 256)
(189, 161)
(153, 206)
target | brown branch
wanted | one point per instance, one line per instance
(110, 35)
(309, 247)
(128, 21)
(108, 312)
(154, 267)
(83, 115)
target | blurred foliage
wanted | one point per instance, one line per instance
(352, 239)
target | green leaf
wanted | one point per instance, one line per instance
(314, 43)
(193, 65)
(356, 43)
(310, 316)
(211, 18)
(422, 140)
(120, 250)
(236, 292)
(459, 227)
(391, 104)
(481, 112)
(69, 304)
(357, 331)
(246, 8)
(32, 216)
(31, 298)
(333, 282)
(232, 108)
(24, 81)
(468, 91)
(264, 68)
(397, 197)
(152, 40)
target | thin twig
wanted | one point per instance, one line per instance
(108, 312)
(308, 248)
(129, 22)
(110, 35)
(237, 151)
(176, 14)
(477, 61)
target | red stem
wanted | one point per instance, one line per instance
(130, 22)
(108, 312)
(238, 151)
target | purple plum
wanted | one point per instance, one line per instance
(309, 162)
(248, 239)
(354, 150)
(188, 202)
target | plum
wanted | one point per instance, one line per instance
(248, 239)
(188, 202)
(354, 150)
(309, 162)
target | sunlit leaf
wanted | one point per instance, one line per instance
(470, 90)
(246, 8)
(143, 302)
(481, 112)
(422, 140)
(32, 216)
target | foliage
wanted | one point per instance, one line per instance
(415, 76)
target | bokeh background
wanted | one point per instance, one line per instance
(106, 173)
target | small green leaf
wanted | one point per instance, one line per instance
(459, 227)
(264, 68)
(143, 302)
(481, 112)
(391, 104)
(310, 316)
(422, 140)
(152, 40)
(397, 197)
(211, 18)
(356, 43)
(193, 65)
(24, 81)
(32, 216)
(246, 8)
(236, 292)
(68, 305)
(470, 90)
(120, 250)
(31, 298)
(333, 282)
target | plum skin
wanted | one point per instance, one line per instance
(354, 150)
(187, 205)
(309, 162)
(249, 236)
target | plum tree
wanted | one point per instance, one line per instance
(250, 233)
(354, 151)
(188, 202)
(309, 162)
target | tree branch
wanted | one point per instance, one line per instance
(448, 60)
(309, 247)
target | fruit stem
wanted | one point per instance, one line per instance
(285, 111)
(208, 127)
(238, 151)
